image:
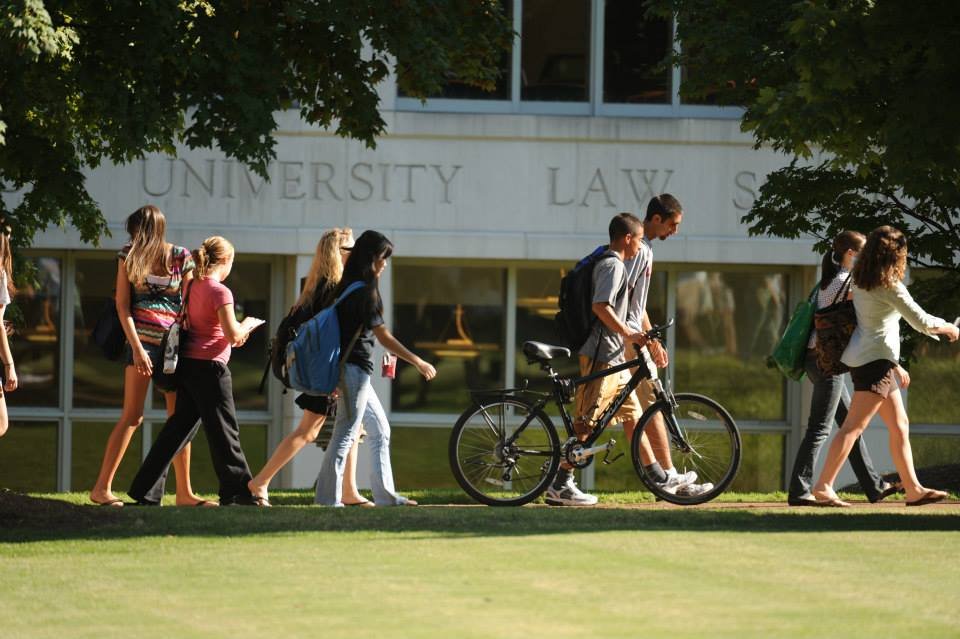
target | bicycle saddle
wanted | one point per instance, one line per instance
(542, 352)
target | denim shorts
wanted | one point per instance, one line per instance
(164, 382)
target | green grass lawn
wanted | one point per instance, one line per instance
(463, 571)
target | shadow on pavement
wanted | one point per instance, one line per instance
(25, 519)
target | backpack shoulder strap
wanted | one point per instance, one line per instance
(350, 289)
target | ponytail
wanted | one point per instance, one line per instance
(832, 261)
(214, 250)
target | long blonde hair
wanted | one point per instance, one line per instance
(214, 250)
(148, 246)
(6, 257)
(327, 264)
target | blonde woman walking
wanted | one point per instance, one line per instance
(8, 376)
(881, 299)
(150, 276)
(325, 273)
(204, 384)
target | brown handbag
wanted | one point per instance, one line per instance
(834, 325)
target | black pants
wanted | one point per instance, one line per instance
(204, 392)
(826, 407)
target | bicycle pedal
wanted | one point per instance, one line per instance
(608, 460)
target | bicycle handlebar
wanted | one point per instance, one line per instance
(657, 331)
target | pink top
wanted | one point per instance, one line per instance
(206, 339)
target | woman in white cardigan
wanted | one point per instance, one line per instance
(881, 299)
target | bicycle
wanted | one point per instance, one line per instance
(505, 451)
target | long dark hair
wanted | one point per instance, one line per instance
(831, 261)
(369, 247)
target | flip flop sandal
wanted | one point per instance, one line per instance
(833, 502)
(931, 497)
(110, 502)
(366, 503)
(261, 502)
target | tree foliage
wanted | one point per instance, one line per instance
(86, 82)
(863, 95)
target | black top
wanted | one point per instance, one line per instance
(322, 298)
(356, 311)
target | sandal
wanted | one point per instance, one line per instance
(366, 503)
(109, 502)
(930, 497)
(259, 501)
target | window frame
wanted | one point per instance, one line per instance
(594, 106)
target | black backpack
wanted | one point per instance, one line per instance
(576, 318)
(277, 348)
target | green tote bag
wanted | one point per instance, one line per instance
(792, 348)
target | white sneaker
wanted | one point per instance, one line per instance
(568, 495)
(693, 490)
(676, 480)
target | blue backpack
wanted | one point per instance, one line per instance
(313, 356)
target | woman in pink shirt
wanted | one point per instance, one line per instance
(204, 384)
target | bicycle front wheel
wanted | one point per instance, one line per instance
(699, 436)
(504, 453)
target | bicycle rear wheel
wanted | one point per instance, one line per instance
(504, 453)
(706, 441)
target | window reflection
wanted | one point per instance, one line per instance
(555, 50)
(634, 49)
(28, 457)
(727, 325)
(454, 89)
(97, 381)
(250, 283)
(36, 344)
(454, 318)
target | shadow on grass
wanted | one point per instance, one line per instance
(26, 519)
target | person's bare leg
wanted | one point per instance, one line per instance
(647, 452)
(895, 418)
(4, 419)
(863, 406)
(305, 433)
(181, 465)
(131, 416)
(351, 495)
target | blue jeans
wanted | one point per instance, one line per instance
(829, 404)
(358, 404)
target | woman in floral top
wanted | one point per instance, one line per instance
(150, 272)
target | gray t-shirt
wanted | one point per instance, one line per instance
(609, 277)
(640, 269)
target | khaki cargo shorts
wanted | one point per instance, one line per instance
(593, 397)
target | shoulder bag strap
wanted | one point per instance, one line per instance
(842, 293)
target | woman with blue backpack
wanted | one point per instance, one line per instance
(325, 273)
(360, 318)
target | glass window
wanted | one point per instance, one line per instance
(455, 89)
(97, 382)
(28, 457)
(934, 450)
(634, 48)
(555, 51)
(935, 371)
(419, 457)
(88, 443)
(36, 344)
(250, 283)
(727, 325)
(453, 317)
